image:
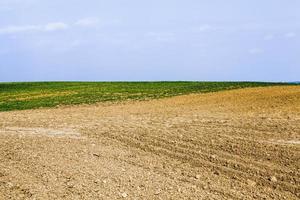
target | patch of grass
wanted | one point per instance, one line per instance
(21, 96)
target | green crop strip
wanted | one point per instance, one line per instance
(32, 95)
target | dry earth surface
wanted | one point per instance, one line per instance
(239, 144)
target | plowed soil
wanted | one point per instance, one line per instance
(239, 144)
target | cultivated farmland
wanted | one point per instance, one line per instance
(20, 96)
(242, 142)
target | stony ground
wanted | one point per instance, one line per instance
(239, 144)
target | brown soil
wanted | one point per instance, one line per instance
(240, 144)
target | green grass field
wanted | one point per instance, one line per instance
(20, 96)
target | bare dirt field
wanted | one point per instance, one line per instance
(239, 144)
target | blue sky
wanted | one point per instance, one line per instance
(100, 40)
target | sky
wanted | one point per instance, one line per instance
(134, 40)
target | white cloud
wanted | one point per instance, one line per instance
(290, 35)
(161, 36)
(55, 26)
(87, 22)
(269, 37)
(50, 27)
(19, 29)
(33, 28)
(205, 27)
(256, 51)
(5, 8)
